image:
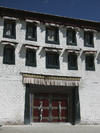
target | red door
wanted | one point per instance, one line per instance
(50, 107)
(37, 113)
(59, 114)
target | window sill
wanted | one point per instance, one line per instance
(12, 37)
(52, 67)
(52, 42)
(31, 39)
(9, 63)
(31, 65)
(90, 69)
(72, 68)
(72, 44)
(89, 45)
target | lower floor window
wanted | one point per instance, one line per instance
(30, 57)
(72, 61)
(52, 60)
(90, 62)
(9, 55)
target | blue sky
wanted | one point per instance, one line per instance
(82, 9)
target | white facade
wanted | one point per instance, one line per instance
(12, 89)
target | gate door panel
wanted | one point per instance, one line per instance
(59, 114)
(38, 115)
(50, 107)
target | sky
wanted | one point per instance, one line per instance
(80, 9)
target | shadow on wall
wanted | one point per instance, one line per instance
(63, 31)
(1, 22)
(1, 49)
(97, 35)
(22, 52)
(82, 56)
(81, 34)
(65, 56)
(98, 59)
(23, 26)
(42, 28)
(42, 53)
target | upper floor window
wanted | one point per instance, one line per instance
(52, 60)
(72, 61)
(9, 29)
(9, 55)
(52, 35)
(88, 39)
(30, 57)
(31, 32)
(90, 62)
(71, 37)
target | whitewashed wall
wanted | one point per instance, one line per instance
(12, 91)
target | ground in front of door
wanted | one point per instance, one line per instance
(50, 128)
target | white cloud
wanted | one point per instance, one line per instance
(46, 1)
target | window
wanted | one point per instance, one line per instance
(90, 62)
(9, 55)
(52, 60)
(88, 39)
(71, 37)
(30, 57)
(31, 32)
(9, 29)
(52, 35)
(72, 61)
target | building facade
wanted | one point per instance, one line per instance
(49, 68)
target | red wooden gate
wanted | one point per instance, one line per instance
(50, 107)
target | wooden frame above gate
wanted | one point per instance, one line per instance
(50, 80)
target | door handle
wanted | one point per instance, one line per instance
(50, 107)
(59, 110)
(40, 110)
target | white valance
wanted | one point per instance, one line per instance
(90, 52)
(32, 47)
(92, 30)
(51, 24)
(53, 49)
(72, 50)
(11, 18)
(8, 43)
(75, 28)
(55, 81)
(33, 21)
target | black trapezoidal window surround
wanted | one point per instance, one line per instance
(52, 35)
(30, 57)
(88, 39)
(9, 29)
(31, 32)
(71, 37)
(72, 61)
(89, 60)
(52, 60)
(9, 55)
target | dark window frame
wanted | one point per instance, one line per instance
(57, 60)
(92, 68)
(69, 61)
(28, 63)
(74, 42)
(91, 42)
(34, 30)
(56, 29)
(9, 58)
(13, 32)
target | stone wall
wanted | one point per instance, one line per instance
(12, 90)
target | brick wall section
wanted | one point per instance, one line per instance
(12, 90)
(12, 95)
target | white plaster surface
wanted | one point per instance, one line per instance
(12, 91)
